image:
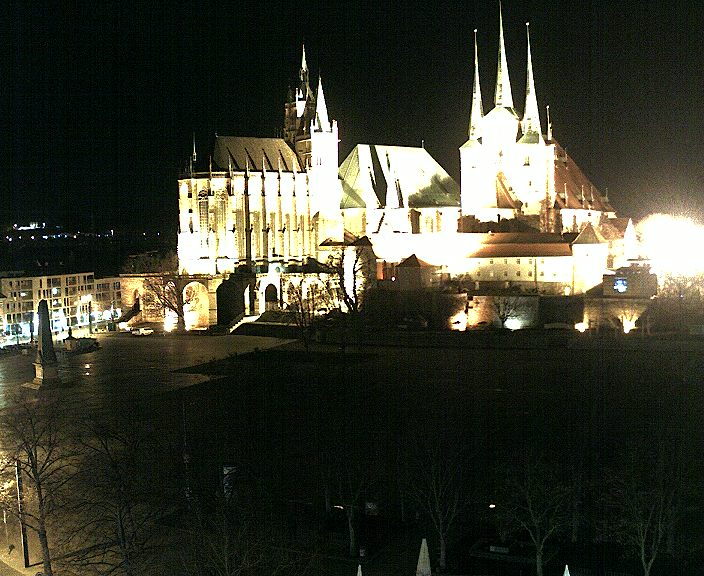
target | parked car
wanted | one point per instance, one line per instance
(142, 331)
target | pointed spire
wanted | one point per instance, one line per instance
(477, 112)
(531, 116)
(194, 148)
(549, 124)
(502, 96)
(359, 570)
(423, 568)
(567, 571)
(304, 85)
(321, 121)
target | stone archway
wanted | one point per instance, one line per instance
(196, 308)
(271, 297)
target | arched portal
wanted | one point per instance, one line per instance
(271, 297)
(196, 306)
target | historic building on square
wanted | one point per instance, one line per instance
(270, 206)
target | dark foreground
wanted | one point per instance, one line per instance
(332, 427)
(295, 440)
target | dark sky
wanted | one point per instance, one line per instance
(99, 100)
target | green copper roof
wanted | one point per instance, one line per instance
(373, 174)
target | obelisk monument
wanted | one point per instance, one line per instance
(45, 372)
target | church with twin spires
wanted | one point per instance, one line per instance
(524, 214)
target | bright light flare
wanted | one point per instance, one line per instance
(170, 321)
(513, 324)
(459, 322)
(628, 324)
(667, 241)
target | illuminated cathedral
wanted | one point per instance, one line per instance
(524, 215)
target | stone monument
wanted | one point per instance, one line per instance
(45, 372)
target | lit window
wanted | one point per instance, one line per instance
(530, 273)
(518, 272)
(518, 260)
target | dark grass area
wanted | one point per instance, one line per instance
(281, 414)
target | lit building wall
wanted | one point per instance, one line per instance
(213, 215)
(69, 298)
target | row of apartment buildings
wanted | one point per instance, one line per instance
(74, 300)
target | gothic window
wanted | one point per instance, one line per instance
(221, 212)
(203, 216)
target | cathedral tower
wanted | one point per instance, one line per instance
(507, 169)
(311, 133)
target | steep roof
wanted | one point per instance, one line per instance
(413, 262)
(522, 238)
(240, 152)
(371, 172)
(613, 228)
(569, 178)
(589, 236)
(505, 198)
(520, 250)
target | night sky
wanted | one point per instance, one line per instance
(98, 100)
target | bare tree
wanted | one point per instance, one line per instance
(353, 478)
(170, 292)
(643, 501)
(507, 307)
(234, 540)
(113, 528)
(354, 269)
(36, 450)
(683, 294)
(534, 500)
(151, 262)
(625, 313)
(306, 299)
(438, 485)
